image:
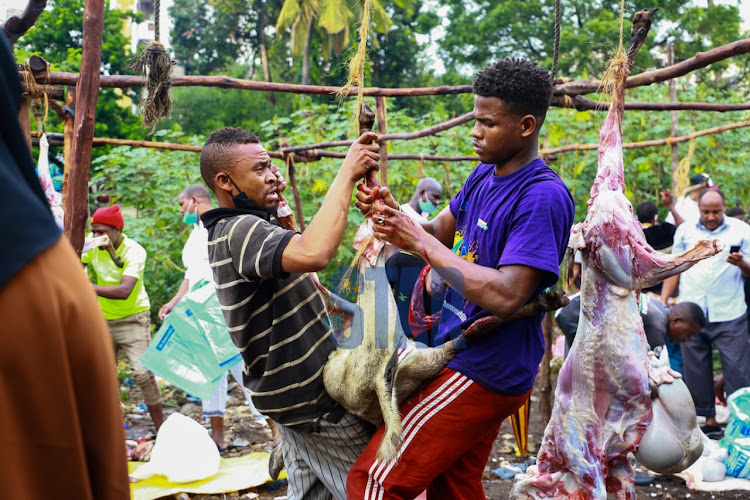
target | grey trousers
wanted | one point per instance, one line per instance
(317, 463)
(731, 339)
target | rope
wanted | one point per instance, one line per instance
(622, 22)
(34, 92)
(683, 170)
(157, 19)
(556, 54)
(357, 64)
(420, 167)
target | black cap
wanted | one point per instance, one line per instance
(699, 179)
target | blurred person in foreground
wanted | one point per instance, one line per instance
(62, 428)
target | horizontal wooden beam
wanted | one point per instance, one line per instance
(56, 139)
(562, 86)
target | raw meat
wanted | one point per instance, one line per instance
(603, 399)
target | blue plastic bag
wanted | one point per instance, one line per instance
(192, 349)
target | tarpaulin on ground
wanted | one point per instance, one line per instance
(235, 474)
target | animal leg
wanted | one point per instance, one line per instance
(387, 397)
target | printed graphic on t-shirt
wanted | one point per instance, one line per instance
(460, 248)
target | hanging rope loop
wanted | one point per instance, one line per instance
(556, 53)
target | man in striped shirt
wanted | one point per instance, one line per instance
(274, 312)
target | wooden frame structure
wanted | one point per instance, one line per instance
(79, 133)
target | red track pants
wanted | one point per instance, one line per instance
(449, 426)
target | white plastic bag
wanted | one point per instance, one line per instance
(183, 452)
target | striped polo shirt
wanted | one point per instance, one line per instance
(277, 320)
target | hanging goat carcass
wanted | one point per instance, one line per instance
(603, 402)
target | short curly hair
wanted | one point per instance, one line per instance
(519, 83)
(216, 151)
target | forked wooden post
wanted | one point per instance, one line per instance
(87, 94)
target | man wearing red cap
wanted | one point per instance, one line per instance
(119, 265)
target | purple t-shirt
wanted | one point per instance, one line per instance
(521, 218)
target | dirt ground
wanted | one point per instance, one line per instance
(253, 435)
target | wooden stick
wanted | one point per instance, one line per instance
(584, 104)
(562, 87)
(545, 377)
(698, 61)
(651, 143)
(69, 124)
(25, 121)
(390, 137)
(100, 141)
(16, 26)
(87, 93)
(380, 114)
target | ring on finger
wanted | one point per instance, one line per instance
(380, 219)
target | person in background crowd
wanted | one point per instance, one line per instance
(659, 236)
(715, 284)
(426, 198)
(61, 428)
(118, 265)
(737, 213)
(685, 209)
(194, 201)
(664, 326)
(403, 268)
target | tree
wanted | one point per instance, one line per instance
(207, 36)
(480, 31)
(57, 36)
(334, 20)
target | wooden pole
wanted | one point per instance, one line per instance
(387, 137)
(25, 120)
(380, 114)
(545, 376)
(675, 124)
(100, 141)
(562, 86)
(69, 121)
(87, 94)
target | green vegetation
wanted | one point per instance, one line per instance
(253, 39)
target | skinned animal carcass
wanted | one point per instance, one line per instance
(603, 401)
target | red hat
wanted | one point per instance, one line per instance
(111, 216)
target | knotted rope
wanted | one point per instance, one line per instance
(156, 65)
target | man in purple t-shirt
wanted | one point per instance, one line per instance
(498, 244)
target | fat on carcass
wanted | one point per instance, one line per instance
(603, 401)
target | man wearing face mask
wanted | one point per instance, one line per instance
(274, 311)
(194, 201)
(425, 199)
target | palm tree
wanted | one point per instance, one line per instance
(335, 20)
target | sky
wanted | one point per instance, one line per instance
(744, 8)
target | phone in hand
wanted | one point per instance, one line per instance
(734, 249)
